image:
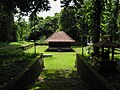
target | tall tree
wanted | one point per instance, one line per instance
(23, 29)
(98, 6)
(69, 23)
(9, 7)
(44, 27)
(115, 18)
(6, 21)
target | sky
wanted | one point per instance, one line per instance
(55, 7)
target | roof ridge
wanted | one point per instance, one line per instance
(57, 37)
(67, 35)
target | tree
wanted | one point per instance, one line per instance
(81, 18)
(110, 19)
(97, 9)
(23, 29)
(114, 19)
(9, 7)
(69, 23)
(6, 21)
(34, 24)
(98, 6)
(44, 27)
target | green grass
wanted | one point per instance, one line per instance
(39, 49)
(20, 43)
(59, 60)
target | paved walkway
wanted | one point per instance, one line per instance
(59, 80)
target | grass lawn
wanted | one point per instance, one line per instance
(59, 60)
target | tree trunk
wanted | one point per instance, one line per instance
(98, 10)
(6, 22)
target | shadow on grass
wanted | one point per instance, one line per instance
(59, 80)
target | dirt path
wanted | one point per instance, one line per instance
(59, 80)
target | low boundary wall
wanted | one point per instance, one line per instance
(27, 75)
(90, 75)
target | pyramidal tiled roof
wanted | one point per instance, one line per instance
(59, 36)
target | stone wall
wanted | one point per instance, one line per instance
(27, 75)
(90, 75)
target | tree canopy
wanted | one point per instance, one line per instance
(26, 6)
(9, 7)
(84, 20)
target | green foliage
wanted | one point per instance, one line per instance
(23, 29)
(11, 67)
(109, 18)
(69, 22)
(43, 27)
(42, 40)
(26, 6)
(9, 50)
(2, 44)
(95, 18)
(10, 7)
(81, 23)
(51, 25)
(12, 61)
(77, 22)
(83, 20)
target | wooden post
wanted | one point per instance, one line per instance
(34, 47)
(108, 53)
(112, 53)
(82, 51)
(102, 53)
(34, 37)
